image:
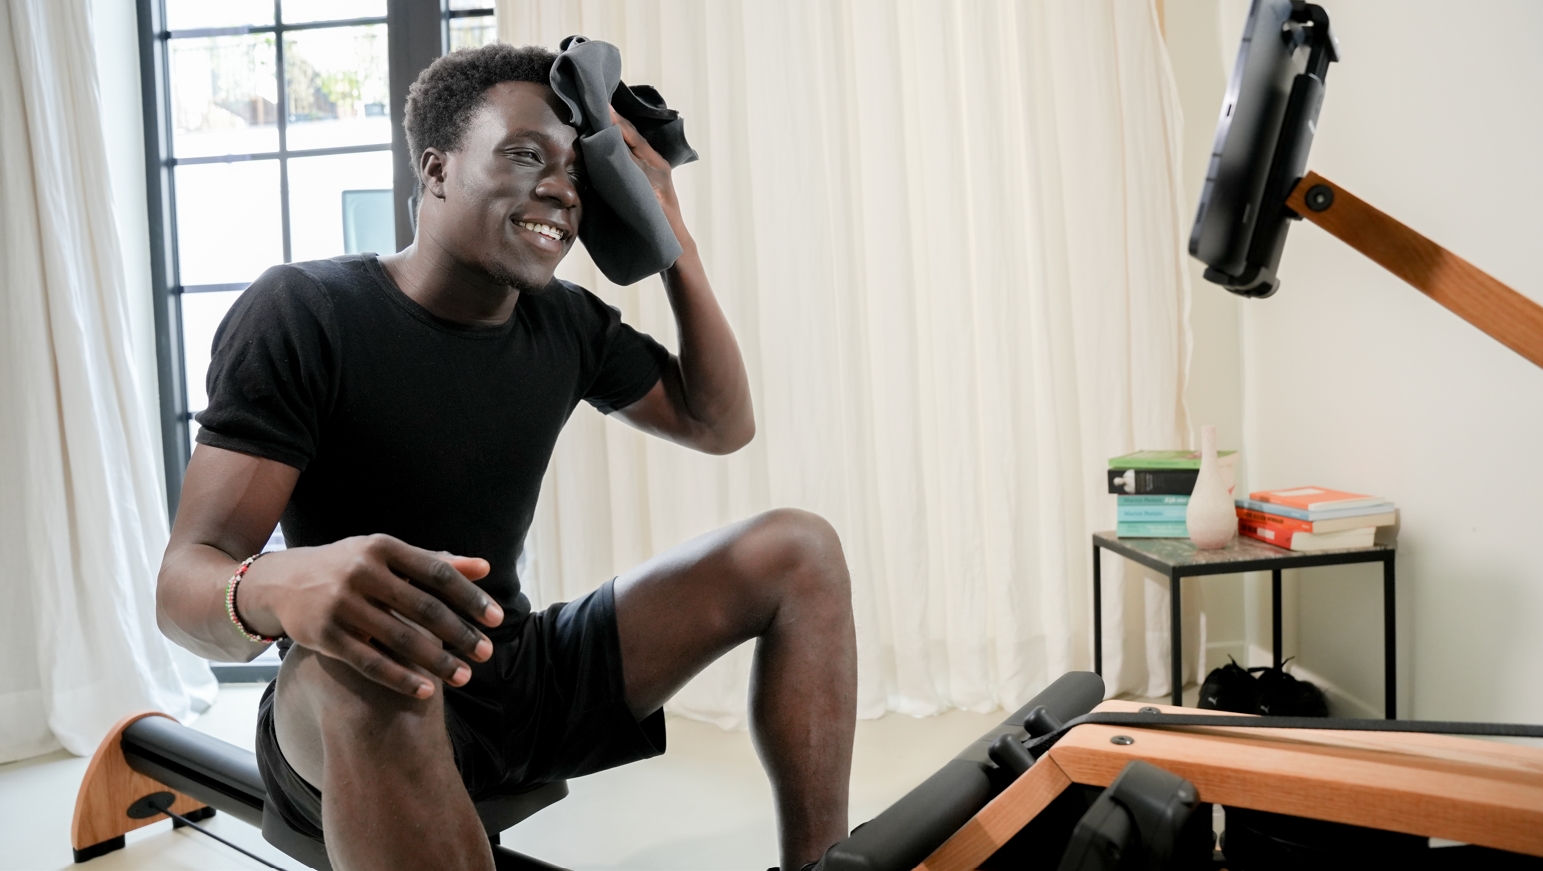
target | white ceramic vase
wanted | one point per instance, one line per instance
(1211, 517)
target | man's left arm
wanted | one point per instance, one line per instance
(702, 399)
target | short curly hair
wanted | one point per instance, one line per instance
(446, 95)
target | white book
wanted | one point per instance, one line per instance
(1361, 537)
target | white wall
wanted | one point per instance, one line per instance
(1353, 379)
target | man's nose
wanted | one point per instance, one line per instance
(557, 186)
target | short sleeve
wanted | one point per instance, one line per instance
(630, 362)
(271, 372)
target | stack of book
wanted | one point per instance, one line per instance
(1153, 487)
(1313, 518)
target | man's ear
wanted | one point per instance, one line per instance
(431, 168)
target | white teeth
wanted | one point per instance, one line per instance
(544, 229)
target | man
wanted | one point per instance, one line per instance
(398, 413)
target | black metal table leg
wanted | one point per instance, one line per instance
(1098, 613)
(1176, 655)
(1275, 614)
(1389, 642)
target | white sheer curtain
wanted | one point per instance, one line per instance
(948, 234)
(82, 523)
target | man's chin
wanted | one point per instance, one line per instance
(521, 280)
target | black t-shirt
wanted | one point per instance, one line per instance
(404, 423)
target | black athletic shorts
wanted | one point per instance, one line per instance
(549, 705)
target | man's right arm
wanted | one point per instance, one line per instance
(351, 600)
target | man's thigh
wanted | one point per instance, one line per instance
(686, 607)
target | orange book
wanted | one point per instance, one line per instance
(1291, 539)
(1314, 498)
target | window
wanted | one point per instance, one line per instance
(273, 134)
(470, 24)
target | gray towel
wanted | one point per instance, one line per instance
(624, 227)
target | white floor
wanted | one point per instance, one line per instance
(703, 805)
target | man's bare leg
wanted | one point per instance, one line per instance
(391, 795)
(781, 579)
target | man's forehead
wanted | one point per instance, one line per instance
(527, 106)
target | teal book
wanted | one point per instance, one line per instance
(1177, 529)
(1151, 513)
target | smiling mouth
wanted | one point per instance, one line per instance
(546, 230)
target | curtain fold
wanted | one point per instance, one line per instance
(82, 522)
(949, 236)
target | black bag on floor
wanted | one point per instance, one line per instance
(1230, 688)
(1281, 695)
(1272, 693)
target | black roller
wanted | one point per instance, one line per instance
(902, 836)
(218, 774)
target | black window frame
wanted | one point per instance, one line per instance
(417, 32)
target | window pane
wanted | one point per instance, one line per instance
(224, 95)
(338, 200)
(472, 32)
(228, 226)
(201, 315)
(190, 14)
(460, 5)
(297, 11)
(336, 83)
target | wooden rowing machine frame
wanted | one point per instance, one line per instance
(1463, 789)
(109, 787)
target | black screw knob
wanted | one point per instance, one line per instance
(1320, 197)
(1122, 740)
(1040, 722)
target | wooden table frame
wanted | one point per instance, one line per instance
(1463, 789)
(1243, 555)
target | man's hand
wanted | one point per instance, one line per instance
(657, 170)
(374, 602)
(378, 604)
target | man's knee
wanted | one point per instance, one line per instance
(801, 548)
(324, 707)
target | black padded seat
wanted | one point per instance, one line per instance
(497, 813)
(225, 777)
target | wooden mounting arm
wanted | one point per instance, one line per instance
(1506, 316)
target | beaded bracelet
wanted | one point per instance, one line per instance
(230, 602)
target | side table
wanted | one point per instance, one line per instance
(1178, 558)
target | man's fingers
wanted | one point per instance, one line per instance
(635, 141)
(474, 568)
(434, 574)
(433, 615)
(379, 667)
(410, 645)
(629, 131)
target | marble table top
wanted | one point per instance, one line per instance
(1180, 552)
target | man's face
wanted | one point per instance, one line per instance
(510, 204)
